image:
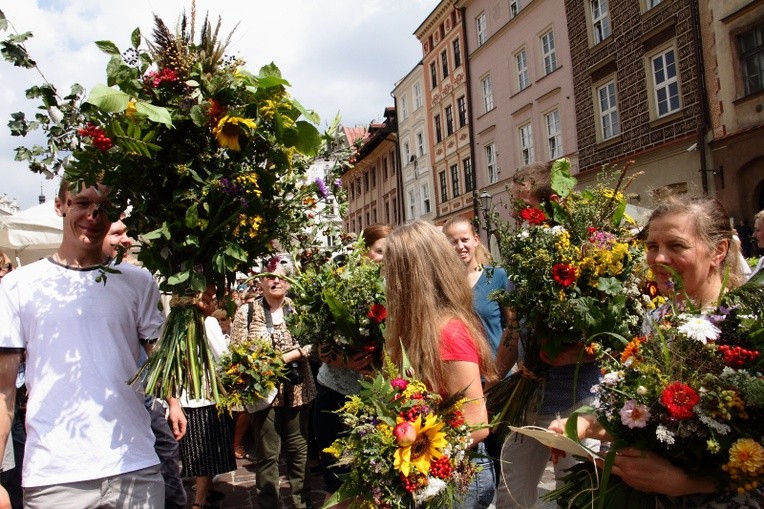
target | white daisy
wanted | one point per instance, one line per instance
(698, 327)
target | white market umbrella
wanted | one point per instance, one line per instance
(31, 234)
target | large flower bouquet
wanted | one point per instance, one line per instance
(340, 305)
(575, 269)
(249, 373)
(692, 391)
(406, 445)
(207, 155)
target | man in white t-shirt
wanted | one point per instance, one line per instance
(89, 440)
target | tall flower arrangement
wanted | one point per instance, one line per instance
(575, 268)
(207, 155)
(690, 390)
(407, 446)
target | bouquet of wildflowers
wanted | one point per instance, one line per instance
(340, 305)
(691, 391)
(206, 154)
(249, 373)
(576, 268)
(406, 445)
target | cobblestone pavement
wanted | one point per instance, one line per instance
(238, 488)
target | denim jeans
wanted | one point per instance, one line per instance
(483, 487)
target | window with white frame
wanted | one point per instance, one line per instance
(457, 53)
(653, 3)
(751, 47)
(548, 52)
(443, 186)
(600, 20)
(487, 88)
(521, 64)
(461, 104)
(469, 176)
(514, 7)
(444, 64)
(526, 144)
(417, 95)
(455, 184)
(406, 152)
(426, 208)
(490, 163)
(482, 31)
(404, 107)
(665, 82)
(412, 204)
(420, 144)
(607, 102)
(553, 134)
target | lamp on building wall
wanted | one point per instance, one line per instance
(717, 173)
(486, 201)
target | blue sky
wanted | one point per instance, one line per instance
(339, 55)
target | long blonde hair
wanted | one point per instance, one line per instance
(426, 287)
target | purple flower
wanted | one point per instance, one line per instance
(634, 415)
(229, 187)
(321, 187)
(338, 183)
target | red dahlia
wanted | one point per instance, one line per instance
(564, 273)
(679, 399)
(533, 215)
(378, 313)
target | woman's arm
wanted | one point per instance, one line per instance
(465, 376)
(649, 472)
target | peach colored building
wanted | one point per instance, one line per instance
(447, 99)
(414, 149)
(521, 83)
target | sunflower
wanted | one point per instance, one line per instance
(228, 130)
(428, 446)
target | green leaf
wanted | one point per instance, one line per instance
(156, 114)
(135, 38)
(178, 278)
(308, 139)
(310, 115)
(192, 216)
(236, 251)
(108, 99)
(152, 235)
(14, 52)
(108, 47)
(609, 285)
(562, 182)
(198, 116)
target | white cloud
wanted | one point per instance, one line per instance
(339, 55)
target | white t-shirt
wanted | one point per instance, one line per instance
(82, 346)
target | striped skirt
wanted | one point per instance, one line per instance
(207, 447)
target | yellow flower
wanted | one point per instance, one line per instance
(229, 129)
(335, 450)
(130, 110)
(414, 387)
(428, 446)
(748, 455)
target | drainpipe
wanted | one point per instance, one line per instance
(702, 92)
(468, 87)
(399, 172)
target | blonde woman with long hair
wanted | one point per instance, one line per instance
(430, 314)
